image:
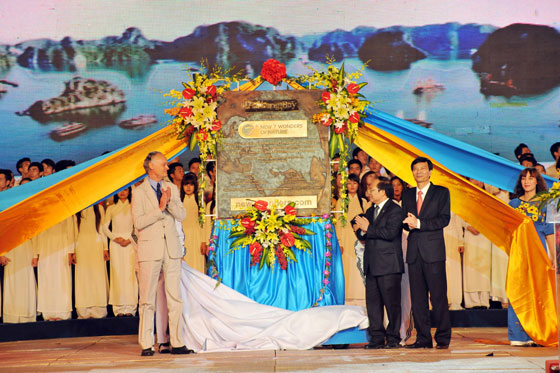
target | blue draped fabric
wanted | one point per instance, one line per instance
(456, 155)
(296, 288)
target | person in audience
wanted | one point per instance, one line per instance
(54, 258)
(355, 167)
(189, 195)
(520, 150)
(22, 166)
(12, 181)
(5, 179)
(118, 227)
(354, 286)
(194, 165)
(208, 226)
(48, 166)
(552, 170)
(63, 164)
(210, 181)
(477, 261)
(529, 183)
(527, 160)
(540, 168)
(20, 288)
(91, 282)
(176, 173)
(453, 236)
(367, 179)
(361, 156)
(335, 163)
(35, 170)
(376, 167)
(398, 188)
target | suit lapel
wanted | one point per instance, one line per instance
(150, 192)
(383, 210)
(429, 196)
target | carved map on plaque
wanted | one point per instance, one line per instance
(272, 150)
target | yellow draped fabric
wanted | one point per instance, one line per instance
(530, 281)
(43, 210)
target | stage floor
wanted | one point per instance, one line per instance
(472, 349)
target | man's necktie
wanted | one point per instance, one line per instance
(158, 192)
(419, 202)
(375, 212)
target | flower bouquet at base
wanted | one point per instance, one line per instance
(271, 234)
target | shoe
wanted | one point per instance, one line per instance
(164, 348)
(419, 345)
(147, 352)
(183, 350)
(374, 346)
(392, 345)
(442, 347)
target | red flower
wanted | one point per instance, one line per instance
(334, 83)
(327, 122)
(354, 118)
(216, 125)
(255, 248)
(248, 224)
(297, 230)
(211, 90)
(290, 210)
(185, 112)
(188, 93)
(326, 96)
(341, 129)
(287, 240)
(273, 71)
(202, 135)
(189, 130)
(261, 205)
(353, 88)
(281, 257)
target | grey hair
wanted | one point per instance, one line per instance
(149, 158)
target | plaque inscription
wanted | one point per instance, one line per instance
(272, 155)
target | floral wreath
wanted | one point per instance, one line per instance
(271, 234)
(551, 196)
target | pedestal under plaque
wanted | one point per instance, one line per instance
(271, 151)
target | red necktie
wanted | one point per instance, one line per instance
(419, 202)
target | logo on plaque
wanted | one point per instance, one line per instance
(272, 151)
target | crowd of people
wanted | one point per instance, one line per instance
(91, 260)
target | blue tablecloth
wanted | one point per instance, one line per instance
(309, 282)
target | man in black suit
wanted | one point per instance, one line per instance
(381, 228)
(426, 210)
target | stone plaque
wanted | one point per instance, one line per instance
(272, 150)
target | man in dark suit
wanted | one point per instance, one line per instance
(381, 228)
(426, 210)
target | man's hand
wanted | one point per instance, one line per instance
(411, 220)
(165, 198)
(71, 258)
(106, 255)
(471, 229)
(4, 260)
(204, 248)
(34, 262)
(461, 249)
(362, 223)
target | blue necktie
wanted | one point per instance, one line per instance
(158, 192)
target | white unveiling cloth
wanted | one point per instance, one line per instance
(218, 318)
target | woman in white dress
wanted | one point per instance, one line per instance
(123, 289)
(354, 286)
(54, 257)
(92, 285)
(191, 227)
(20, 288)
(454, 246)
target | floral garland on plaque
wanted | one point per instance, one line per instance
(271, 234)
(196, 119)
(343, 111)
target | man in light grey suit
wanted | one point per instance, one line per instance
(155, 206)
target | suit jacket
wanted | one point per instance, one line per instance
(434, 216)
(383, 253)
(156, 228)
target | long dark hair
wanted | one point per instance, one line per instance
(97, 217)
(192, 179)
(360, 193)
(541, 184)
(116, 196)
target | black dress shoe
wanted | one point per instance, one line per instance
(442, 347)
(374, 346)
(392, 345)
(420, 345)
(183, 350)
(147, 352)
(164, 348)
